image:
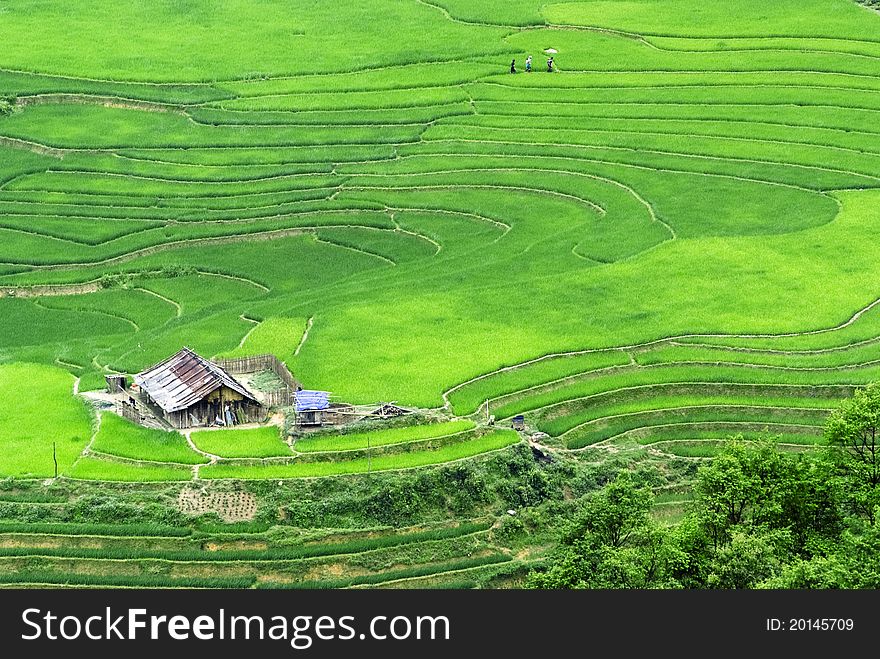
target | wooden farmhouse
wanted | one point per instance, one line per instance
(191, 391)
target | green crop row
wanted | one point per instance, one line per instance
(51, 578)
(491, 442)
(237, 443)
(603, 429)
(90, 529)
(272, 554)
(373, 579)
(561, 421)
(353, 441)
(90, 468)
(673, 374)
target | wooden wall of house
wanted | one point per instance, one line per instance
(203, 413)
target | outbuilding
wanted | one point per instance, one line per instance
(310, 406)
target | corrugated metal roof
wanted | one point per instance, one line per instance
(184, 379)
(311, 400)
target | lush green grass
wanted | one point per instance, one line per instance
(275, 336)
(122, 438)
(692, 169)
(352, 441)
(38, 413)
(237, 443)
(203, 41)
(91, 468)
(491, 442)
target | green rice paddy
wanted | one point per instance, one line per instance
(242, 443)
(674, 231)
(361, 440)
(493, 441)
(37, 412)
(124, 439)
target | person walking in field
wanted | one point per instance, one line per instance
(529, 64)
(550, 65)
(513, 66)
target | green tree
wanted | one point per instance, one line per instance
(852, 433)
(852, 561)
(755, 486)
(748, 559)
(725, 490)
(612, 543)
(613, 514)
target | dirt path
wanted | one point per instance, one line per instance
(305, 336)
(256, 324)
(49, 290)
(213, 459)
(88, 447)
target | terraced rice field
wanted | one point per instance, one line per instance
(94, 555)
(668, 240)
(120, 451)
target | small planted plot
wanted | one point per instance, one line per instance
(229, 506)
(563, 419)
(677, 374)
(242, 443)
(124, 452)
(195, 292)
(142, 310)
(392, 578)
(720, 430)
(467, 398)
(120, 438)
(710, 448)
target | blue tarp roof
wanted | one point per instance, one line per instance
(312, 400)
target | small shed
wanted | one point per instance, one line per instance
(518, 422)
(310, 407)
(116, 382)
(190, 391)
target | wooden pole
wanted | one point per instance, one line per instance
(369, 457)
(487, 410)
(55, 459)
